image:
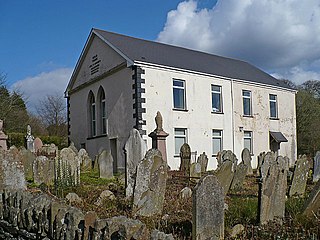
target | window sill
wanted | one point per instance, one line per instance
(247, 116)
(274, 118)
(217, 112)
(98, 136)
(180, 110)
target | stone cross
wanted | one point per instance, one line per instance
(208, 209)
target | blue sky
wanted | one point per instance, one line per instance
(42, 40)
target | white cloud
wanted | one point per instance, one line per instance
(272, 34)
(37, 87)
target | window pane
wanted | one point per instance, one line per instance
(216, 145)
(216, 103)
(247, 134)
(215, 88)
(179, 141)
(178, 83)
(272, 97)
(247, 143)
(178, 98)
(273, 109)
(180, 132)
(246, 93)
(246, 106)
(216, 133)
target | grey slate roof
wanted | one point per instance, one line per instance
(178, 57)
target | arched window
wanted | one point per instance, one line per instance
(92, 115)
(103, 111)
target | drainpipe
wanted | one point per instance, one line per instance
(232, 116)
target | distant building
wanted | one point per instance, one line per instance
(208, 101)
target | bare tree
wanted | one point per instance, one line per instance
(52, 112)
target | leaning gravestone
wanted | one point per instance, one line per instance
(246, 158)
(149, 191)
(208, 209)
(225, 175)
(312, 204)
(185, 158)
(27, 159)
(135, 148)
(272, 188)
(43, 170)
(300, 176)
(203, 160)
(105, 163)
(316, 167)
(11, 170)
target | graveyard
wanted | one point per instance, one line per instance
(51, 193)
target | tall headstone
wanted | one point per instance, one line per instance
(85, 160)
(208, 209)
(3, 137)
(68, 167)
(272, 188)
(149, 191)
(43, 170)
(11, 170)
(159, 137)
(316, 167)
(203, 160)
(300, 176)
(27, 159)
(185, 159)
(105, 163)
(135, 149)
(246, 158)
(239, 176)
(30, 139)
(312, 204)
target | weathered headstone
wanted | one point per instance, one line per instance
(11, 170)
(312, 204)
(300, 176)
(37, 144)
(203, 160)
(195, 171)
(30, 139)
(85, 160)
(316, 167)
(225, 175)
(208, 209)
(186, 192)
(135, 148)
(3, 137)
(73, 147)
(105, 163)
(239, 176)
(68, 168)
(272, 188)
(185, 158)
(27, 159)
(43, 170)
(246, 158)
(230, 156)
(150, 185)
(260, 158)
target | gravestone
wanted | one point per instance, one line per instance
(316, 167)
(239, 176)
(203, 160)
(185, 159)
(208, 209)
(225, 175)
(27, 159)
(85, 160)
(3, 137)
(11, 170)
(195, 171)
(135, 149)
(68, 167)
(37, 144)
(73, 147)
(185, 193)
(105, 163)
(246, 158)
(312, 204)
(149, 191)
(260, 158)
(272, 188)
(43, 170)
(30, 139)
(300, 176)
(49, 150)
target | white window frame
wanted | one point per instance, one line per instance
(184, 93)
(179, 136)
(275, 102)
(250, 102)
(215, 137)
(215, 92)
(93, 119)
(248, 137)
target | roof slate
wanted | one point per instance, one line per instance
(163, 54)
